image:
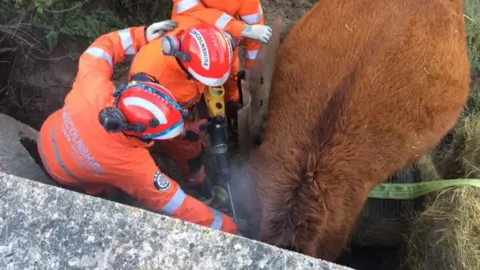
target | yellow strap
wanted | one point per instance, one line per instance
(414, 190)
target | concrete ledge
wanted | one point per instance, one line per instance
(45, 227)
(14, 158)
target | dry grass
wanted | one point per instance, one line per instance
(447, 234)
(427, 168)
(469, 157)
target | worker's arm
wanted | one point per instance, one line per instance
(112, 48)
(161, 194)
(222, 20)
(251, 12)
(108, 50)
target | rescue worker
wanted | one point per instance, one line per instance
(244, 20)
(98, 140)
(195, 55)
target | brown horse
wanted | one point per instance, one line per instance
(361, 90)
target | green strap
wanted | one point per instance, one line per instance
(415, 190)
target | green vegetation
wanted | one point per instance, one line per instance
(79, 19)
(142, 12)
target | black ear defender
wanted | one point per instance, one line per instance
(114, 121)
(171, 46)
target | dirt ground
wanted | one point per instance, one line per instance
(38, 84)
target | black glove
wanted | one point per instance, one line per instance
(195, 130)
(231, 109)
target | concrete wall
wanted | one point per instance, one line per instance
(46, 227)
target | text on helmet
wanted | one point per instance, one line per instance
(205, 57)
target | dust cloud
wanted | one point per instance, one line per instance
(246, 198)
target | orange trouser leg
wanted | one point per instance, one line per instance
(231, 90)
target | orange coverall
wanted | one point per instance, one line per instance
(150, 59)
(78, 152)
(229, 15)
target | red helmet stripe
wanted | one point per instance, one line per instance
(209, 81)
(147, 105)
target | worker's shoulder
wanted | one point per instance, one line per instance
(150, 59)
(184, 22)
(225, 5)
(152, 51)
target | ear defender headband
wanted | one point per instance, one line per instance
(143, 77)
(114, 121)
(171, 46)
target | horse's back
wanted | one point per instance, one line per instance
(412, 74)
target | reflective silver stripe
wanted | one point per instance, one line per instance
(44, 158)
(127, 41)
(59, 159)
(251, 54)
(100, 53)
(218, 221)
(223, 21)
(185, 5)
(254, 18)
(175, 202)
